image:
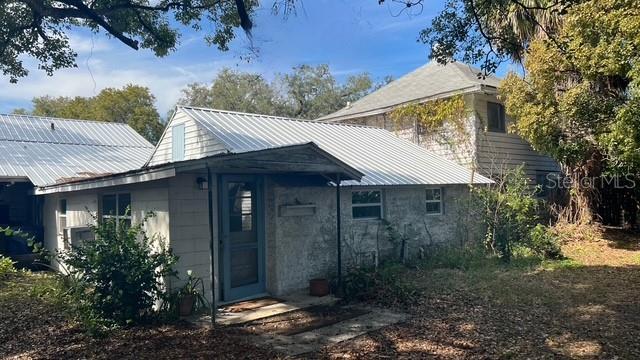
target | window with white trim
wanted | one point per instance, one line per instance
(434, 201)
(366, 204)
(118, 207)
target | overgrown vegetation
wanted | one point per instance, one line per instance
(385, 285)
(510, 212)
(116, 279)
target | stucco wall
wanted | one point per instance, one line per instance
(300, 248)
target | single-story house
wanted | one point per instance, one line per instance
(262, 202)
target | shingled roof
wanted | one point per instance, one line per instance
(430, 81)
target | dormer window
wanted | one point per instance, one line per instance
(496, 121)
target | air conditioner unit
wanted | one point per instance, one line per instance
(78, 234)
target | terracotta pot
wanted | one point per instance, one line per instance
(319, 287)
(186, 305)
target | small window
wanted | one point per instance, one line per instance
(118, 207)
(62, 222)
(366, 204)
(495, 117)
(177, 142)
(434, 201)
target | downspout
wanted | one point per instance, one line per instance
(339, 235)
(211, 249)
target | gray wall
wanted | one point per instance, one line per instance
(300, 248)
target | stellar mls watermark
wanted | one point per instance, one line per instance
(558, 181)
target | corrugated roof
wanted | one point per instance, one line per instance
(428, 81)
(46, 155)
(384, 158)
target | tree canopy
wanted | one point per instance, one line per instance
(132, 105)
(39, 28)
(306, 92)
(579, 101)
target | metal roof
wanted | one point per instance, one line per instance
(384, 158)
(429, 81)
(49, 150)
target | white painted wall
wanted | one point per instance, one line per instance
(198, 142)
(145, 197)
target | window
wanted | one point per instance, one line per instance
(434, 201)
(117, 206)
(366, 204)
(495, 117)
(241, 206)
(62, 222)
(177, 142)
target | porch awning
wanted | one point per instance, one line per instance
(301, 159)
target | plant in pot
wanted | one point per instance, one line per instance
(191, 295)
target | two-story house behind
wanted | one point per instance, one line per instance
(488, 146)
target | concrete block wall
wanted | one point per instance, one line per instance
(300, 248)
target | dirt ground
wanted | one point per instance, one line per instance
(586, 307)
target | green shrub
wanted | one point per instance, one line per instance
(6, 266)
(386, 285)
(545, 243)
(117, 278)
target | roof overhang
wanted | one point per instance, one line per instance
(304, 159)
(386, 109)
(131, 177)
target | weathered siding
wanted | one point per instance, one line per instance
(499, 151)
(198, 142)
(462, 150)
(490, 153)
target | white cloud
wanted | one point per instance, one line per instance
(93, 43)
(163, 79)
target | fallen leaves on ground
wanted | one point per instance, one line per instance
(582, 309)
(587, 311)
(34, 327)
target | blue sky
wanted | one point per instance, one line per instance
(352, 36)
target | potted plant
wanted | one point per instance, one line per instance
(191, 295)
